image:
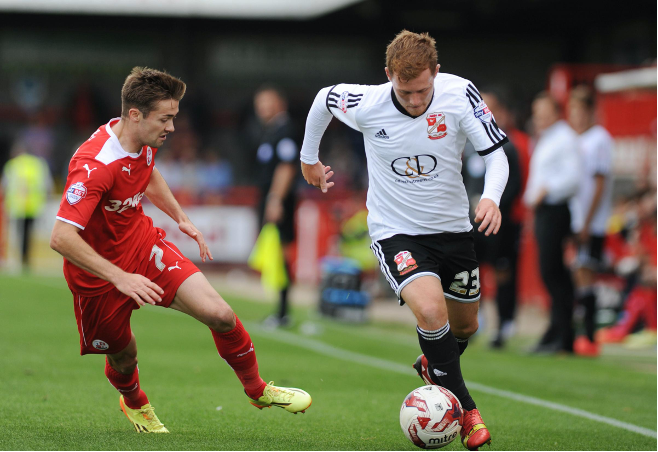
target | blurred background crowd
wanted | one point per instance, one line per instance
(62, 71)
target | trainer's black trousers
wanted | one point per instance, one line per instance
(552, 228)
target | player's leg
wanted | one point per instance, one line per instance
(463, 320)
(197, 298)
(104, 327)
(425, 298)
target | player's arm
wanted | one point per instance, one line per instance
(603, 162)
(495, 179)
(66, 240)
(84, 190)
(479, 125)
(160, 195)
(319, 117)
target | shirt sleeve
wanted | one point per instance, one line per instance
(343, 101)
(86, 184)
(495, 176)
(478, 123)
(286, 150)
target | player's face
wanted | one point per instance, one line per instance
(154, 128)
(544, 114)
(414, 95)
(579, 116)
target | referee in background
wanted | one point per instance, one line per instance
(276, 171)
(552, 182)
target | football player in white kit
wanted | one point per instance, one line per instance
(414, 129)
(590, 208)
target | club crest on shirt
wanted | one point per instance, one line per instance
(76, 192)
(483, 113)
(406, 262)
(436, 126)
(149, 155)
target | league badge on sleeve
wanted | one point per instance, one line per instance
(483, 113)
(343, 101)
(149, 155)
(436, 126)
(76, 192)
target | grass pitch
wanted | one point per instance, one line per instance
(53, 399)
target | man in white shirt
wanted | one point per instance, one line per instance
(590, 207)
(414, 130)
(552, 181)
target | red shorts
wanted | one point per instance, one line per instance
(104, 320)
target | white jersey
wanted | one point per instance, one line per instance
(414, 163)
(596, 158)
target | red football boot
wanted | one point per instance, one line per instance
(584, 347)
(422, 368)
(474, 432)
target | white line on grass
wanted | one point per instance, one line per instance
(346, 355)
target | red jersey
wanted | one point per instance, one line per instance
(104, 188)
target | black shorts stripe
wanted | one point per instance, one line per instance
(376, 248)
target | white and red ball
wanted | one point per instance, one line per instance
(431, 417)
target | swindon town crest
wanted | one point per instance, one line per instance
(436, 126)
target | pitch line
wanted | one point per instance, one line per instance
(358, 358)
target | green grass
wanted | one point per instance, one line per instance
(51, 398)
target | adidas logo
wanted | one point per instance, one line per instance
(382, 134)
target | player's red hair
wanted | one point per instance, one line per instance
(410, 53)
(145, 87)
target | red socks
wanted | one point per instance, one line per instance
(237, 350)
(127, 385)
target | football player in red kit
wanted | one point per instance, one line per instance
(116, 261)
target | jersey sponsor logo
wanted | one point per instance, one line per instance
(149, 156)
(436, 126)
(100, 345)
(414, 167)
(116, 205)
(86, 166)
(406, 262)
(482, 112)
(76, 192)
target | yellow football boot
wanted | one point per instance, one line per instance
(292, 400)
(144, 419)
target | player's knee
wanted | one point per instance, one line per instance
(430, 317)
(125, 364)
(465, 331)
(221, 319)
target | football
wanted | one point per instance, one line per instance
(431, 417)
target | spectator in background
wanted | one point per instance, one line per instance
(26, 182)
(276, 161)
(552, 182)
(39, 138)
(215, 177)
(590, 208)
(500, 250)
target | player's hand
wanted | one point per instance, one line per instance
(488, 213)
(583, 236)
(318, 175)
(139, 288)
(188, 228)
